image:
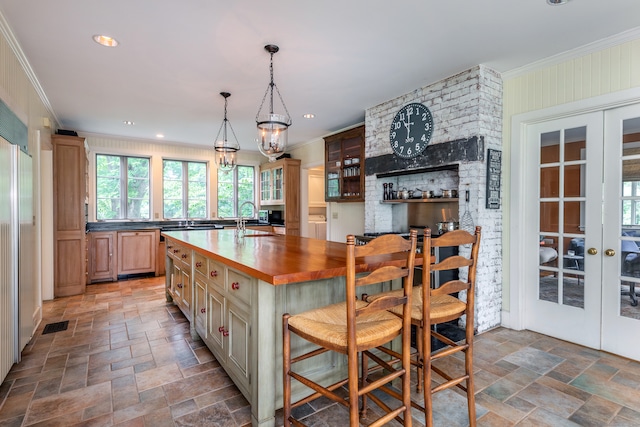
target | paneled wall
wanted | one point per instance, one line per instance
(613, 67)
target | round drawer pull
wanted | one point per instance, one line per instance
(198, 264)
(203, 310)
(179, 285)
(175, 251)
(235, 286)
(214, 273)
(184, 256)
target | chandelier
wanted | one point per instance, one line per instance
(226, 150)
(272, 128)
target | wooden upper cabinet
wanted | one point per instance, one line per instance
(69, 197)
(280, 189)
(344, 166)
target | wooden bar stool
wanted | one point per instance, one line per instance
(354, 326)
(432, 306)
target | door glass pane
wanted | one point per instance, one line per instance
(562, 210)
(575, 144)
(549, 217)
(630, 221)
(574, 181)
(549, 182)
(550, 147)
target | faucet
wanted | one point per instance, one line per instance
(240, 227)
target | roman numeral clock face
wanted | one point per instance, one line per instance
(411, 130)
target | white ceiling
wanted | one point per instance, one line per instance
(337, 58)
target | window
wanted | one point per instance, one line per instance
(184, 190)
(631, 203)
(122, 187)
(234, 188)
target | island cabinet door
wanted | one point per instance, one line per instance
(215, 320)
(238, 345)
(200, 306)
(187, 309)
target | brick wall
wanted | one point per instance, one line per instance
(465, 107)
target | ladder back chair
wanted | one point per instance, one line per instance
(354, 326)
(434, 305)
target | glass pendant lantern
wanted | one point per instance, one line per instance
(272, 127)
(226, 150)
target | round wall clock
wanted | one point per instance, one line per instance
(411, 130)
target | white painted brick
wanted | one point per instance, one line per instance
(465, 105)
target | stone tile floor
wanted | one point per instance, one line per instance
(127, 359)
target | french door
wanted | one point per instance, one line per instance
(584, 201)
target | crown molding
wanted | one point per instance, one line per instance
(7, 33)
(617, 39)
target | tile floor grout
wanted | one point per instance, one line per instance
(127, 359)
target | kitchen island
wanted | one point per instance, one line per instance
(234, 291)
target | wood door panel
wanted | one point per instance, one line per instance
(137, 252)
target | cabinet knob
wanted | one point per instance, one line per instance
(214, 273)
(179, 285)
(198, 264)
(225, 333)
(235, 286)
(175, 251)
(184, 256)
(169, 246)
(203, 310)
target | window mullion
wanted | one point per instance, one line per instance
(124, 188)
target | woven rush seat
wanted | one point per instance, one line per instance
(442, 306)
(329, 326)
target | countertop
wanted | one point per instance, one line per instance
(277, 259)
(167, 225)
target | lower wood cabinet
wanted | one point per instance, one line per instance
(137, 251)
(121, 253)
(102, 259)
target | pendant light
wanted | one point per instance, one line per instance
(225, 149)
(272, 128)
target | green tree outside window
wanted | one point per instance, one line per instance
(184, 189)
(234, 188)
(122, 187)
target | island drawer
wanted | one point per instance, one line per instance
(216, 273)
(200, 264)
(240, 286)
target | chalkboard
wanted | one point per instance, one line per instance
(494, 170)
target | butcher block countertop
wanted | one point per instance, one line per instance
(276, 259)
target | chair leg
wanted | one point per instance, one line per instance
(426, 375)
(420, 348)
(468, 366)
(286, 368)
(354, 407)
(363, 381)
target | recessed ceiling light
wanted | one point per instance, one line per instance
(105, 40)
(556, 2)
(159, 135)
(128, 122)
(308, 116)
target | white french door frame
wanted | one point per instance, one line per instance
(516, 252)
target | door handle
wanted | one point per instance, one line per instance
(592, 251)
(609, 252)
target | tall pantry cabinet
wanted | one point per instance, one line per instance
(69, 210)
